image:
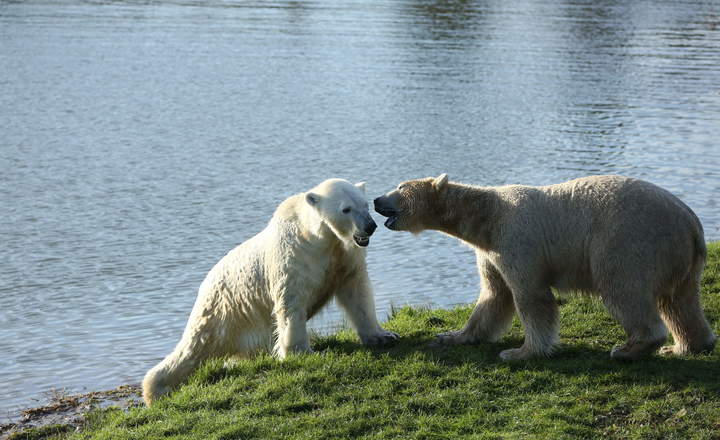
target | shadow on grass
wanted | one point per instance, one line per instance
(569, 360)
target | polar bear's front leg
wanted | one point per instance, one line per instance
(291, 332)
(492, 314)
(356, 299)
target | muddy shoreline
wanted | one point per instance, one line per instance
(67, 412)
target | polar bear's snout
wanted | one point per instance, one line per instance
(370, 226)
(362, 236)
(384, 206)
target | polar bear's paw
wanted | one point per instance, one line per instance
(283, 352)
(633, 351)
(670, 350)
(383, 338)
(457, 337)
(683, 349)
(516, 354)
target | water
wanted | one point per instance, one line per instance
(141, 140)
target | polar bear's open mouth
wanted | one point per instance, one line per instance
(361, 241)
(391, 214)
(390, 222)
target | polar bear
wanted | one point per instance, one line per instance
(261, 294)
(632, 243)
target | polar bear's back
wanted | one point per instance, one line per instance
(232, 293)
(601, 221)
(618, 205)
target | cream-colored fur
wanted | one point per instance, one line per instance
(261, 294)
(632, 243)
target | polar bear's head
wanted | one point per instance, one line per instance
(342, 207)
(414, 205)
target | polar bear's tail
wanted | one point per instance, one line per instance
(153, 385)
(168, 374)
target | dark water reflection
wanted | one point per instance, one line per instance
(140, 141)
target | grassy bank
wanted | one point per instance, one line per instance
(345, 390)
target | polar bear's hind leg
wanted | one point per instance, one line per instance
(684, 317)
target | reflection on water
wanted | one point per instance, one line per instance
(143, 140)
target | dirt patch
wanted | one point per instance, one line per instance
(66, 412)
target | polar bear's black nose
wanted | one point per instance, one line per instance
(370, 227)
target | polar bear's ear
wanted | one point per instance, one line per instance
(360, 186)
(312, 198)
(440, 181)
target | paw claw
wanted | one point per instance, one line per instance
(515, 354)
(284, 352)
(383, 338)
(448, 338)
(667, 350)
(633, 351)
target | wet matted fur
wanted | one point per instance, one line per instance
(261, 294)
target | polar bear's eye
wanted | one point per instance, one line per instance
(346, 210)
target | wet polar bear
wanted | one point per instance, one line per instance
(632, 243)
(264, 291)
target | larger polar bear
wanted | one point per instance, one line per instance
(261, 294)
(632, 243)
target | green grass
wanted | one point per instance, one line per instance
(411, 391)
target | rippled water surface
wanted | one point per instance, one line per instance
(141, 140)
